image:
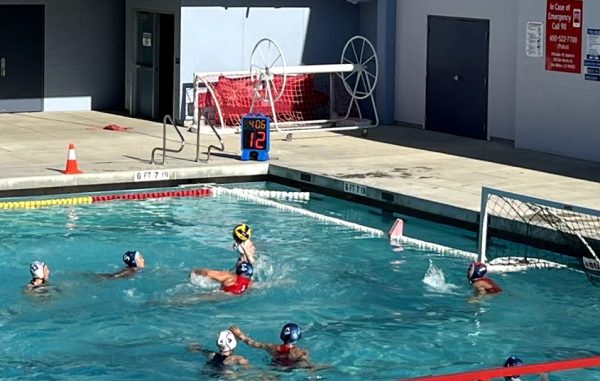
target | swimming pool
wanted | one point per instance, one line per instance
(368, 311)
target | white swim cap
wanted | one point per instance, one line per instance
(226, 341)
(37, 269)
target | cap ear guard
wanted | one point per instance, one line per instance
(226, 341)
(37, 269)
(510, 362)
(290, 333)
(476, 270)
(245, 269)
(130, 258)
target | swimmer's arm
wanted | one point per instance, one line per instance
(241, 360)
(249, 251)
(195, 347)
(249, 341)
(225, 277)
(126, 272)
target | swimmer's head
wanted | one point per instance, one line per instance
(39, 270)
(241, 233)
(245, 269)
(290, 333)
(133, 259)
(476, 270)
(510, 362)
(226, 341)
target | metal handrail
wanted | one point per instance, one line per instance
(222, 148)
(164, 148)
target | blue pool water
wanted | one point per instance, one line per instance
(367, 311)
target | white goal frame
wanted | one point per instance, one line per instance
(358, 70)
(486, 193)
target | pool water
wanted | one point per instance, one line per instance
(367, 311)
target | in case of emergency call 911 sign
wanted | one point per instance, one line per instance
(256, 132)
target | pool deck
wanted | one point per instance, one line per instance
(424, 171)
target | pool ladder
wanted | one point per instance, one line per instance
(164, 149)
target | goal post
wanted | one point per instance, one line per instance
(518, 231)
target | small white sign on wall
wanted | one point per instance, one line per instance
(534, 39)
(147, 39)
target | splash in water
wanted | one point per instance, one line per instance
(435, 280)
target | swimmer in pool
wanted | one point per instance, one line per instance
(224, 361)
(480, 283)
(134, 261)
(286, 355)
(234, 283)
(515, 361)
(243, 245)
(40, 275)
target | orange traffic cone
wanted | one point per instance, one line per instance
(71, 168)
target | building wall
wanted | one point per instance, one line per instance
(411, 58)
(556, 112)
(83, 54)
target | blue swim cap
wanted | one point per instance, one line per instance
(510, 362)
(245, 269)
(290, 333)
(130, 258)
(476, 270)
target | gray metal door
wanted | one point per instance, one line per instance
(146, 65)
(21, 58)
(154, 65)
(457, 73)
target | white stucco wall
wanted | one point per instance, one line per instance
(411, 58)
(556, 112)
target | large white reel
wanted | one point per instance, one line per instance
(267, 60)
(359, 52)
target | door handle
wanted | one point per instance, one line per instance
(2, 67)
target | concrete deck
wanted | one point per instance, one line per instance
(409, 168)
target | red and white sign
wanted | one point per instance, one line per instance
(563, 35)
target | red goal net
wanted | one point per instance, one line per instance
(305, 97)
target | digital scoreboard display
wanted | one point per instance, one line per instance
(256, 137)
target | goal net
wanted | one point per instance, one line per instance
(517, 231)
(311, 97)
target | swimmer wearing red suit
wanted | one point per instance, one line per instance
(240, 285)
(232, 283)
(481, 285)
(286, 355)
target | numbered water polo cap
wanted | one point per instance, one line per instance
(476, 270)
(131, 258)
(510, 362)
(290, 333)
(245, 269)
(226, 341)
(242, 232)
(37, 269)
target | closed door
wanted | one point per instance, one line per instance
(154, 65)
(457, 74)
(21, 58)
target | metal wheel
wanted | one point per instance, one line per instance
(267, 55)
(359, 51)
(364, 133)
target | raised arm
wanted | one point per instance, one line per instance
(251, 342)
